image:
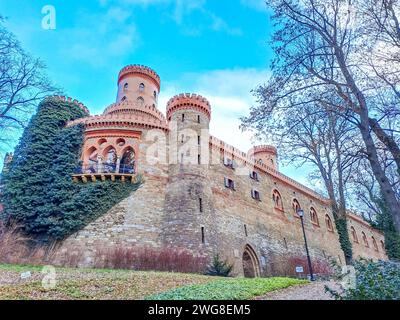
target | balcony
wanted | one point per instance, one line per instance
(103, 172)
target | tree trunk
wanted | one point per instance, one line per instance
(386, 188)
(387, 140)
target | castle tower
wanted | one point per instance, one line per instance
(266, 155)
(138, 84)
(189, 220)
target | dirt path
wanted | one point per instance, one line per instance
(312, 291)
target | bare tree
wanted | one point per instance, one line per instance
(22, 85)
(319, 54)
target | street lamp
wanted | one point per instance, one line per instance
(300, 213)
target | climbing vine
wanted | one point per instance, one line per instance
(38, 191)
(344, 239)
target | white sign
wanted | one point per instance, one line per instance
(299, 269)
(25, 275)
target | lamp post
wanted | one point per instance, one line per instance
(300, 212)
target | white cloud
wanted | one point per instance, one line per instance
(99, 37)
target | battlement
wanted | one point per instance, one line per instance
(187, 101)
(73, 101)
(262, 149)
(130, 107)
(139, 69)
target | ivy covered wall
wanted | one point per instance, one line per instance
(38, 191)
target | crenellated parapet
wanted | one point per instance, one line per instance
(262, 149)
(120, 121)
(136, 69)
(188, 101)
(70, 100)
(129, 107)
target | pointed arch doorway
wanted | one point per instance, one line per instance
(251, 266)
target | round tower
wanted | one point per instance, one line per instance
(266, 155)
(138, 84)
(189, 219)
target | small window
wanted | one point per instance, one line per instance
(328, 222)
(140, 101)
(229, 183)
(123, 98)
(296, 207)
(254, 175)
(198, 159)
(354, 234)
(183, 117)
(126, 86)
(229, 163)
(255, 195)
(203, 240)
(314, 216)
(182, 138)
(141, 87)
(200, 204)
(155, 95)
(198, 119)
(277, 199)
(198, 140)
(285, 243)
(365, 240)
(374, 244)
(245, 230)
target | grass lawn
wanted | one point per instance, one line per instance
(228, 289)
(125, 284)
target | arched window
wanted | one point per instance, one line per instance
(314, 216)
(140, 101)
(277, 198)
(374, 244)
(155, 95)
(141, 87)
(354, 234)
(365, 240)
(127, 163)
(92, 161)
(328, 222)
(110, 162)
(383, 246)
(296, 206)
(126, 86)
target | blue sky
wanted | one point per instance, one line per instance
(212, 47)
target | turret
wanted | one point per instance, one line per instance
(138, 84)
(188, 202)
(266, 155)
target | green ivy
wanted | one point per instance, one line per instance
(386, 225)
(39, 193)
(344, 239)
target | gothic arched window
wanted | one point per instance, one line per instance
(127, 163)
(314, 216)
(328, 222)
(374, 244)
(354, 234)
(277, 198)
(141, 87)
(296, 206)
(365, 240)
